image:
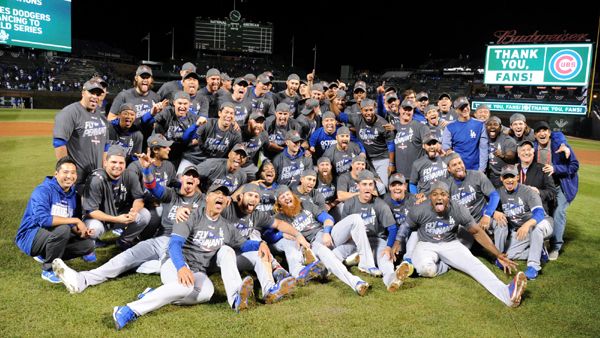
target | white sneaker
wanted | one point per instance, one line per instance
(66, 275)
(553, 255)
(352, 260)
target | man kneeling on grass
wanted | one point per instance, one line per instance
(197, 247)
(48, 229)
(438, 248)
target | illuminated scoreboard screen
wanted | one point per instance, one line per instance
(231, 36)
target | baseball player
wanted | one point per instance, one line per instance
(123, 132)
(326, 137)
(305, 189)
(290, 94)
(528, 224)
(80, 132)
(317, 226)
(502, 149)
(152, 249)
(437, 224)
(177, 125)
(277, 127)
(343, 151)
(428, 169)
(467, 137)
(168, 89)
(291, 162)
(211, 92)
(199, 246)
(250, 223)
(381, 230)
(472, 189)
(378, 140)
(113, 198)
(267, 183)
(48, 229)
(408, 141)
(213, 139)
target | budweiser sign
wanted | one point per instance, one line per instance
(511, 37)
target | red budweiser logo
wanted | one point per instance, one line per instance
(510, 37)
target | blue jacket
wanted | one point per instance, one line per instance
(565, 169)
(47, 200)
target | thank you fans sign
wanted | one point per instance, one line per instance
(555, 65)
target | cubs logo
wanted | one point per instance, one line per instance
(565, 65)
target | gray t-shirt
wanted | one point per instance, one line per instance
(113, 197)
(519, 204)
(425, 171)
(204, 237)
(328, 191)
(347, 183)
(342, 160)
(305, 221)
(374, 137)
(214, 171)
(289, 169)
(314, 196)
(86, 135)
(242, 109)
(435, 228)
(212, 142)
(400, 208)
(471, 192)
(172, 200)
(292, 101)
(167, 90)
(376, 214)
(131, 140)
(408, 145)
(263, 104)
(267, 198)
(141, 103)
(165, 175)
(504, 143)
(251, 225)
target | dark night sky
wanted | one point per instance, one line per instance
(372, 35)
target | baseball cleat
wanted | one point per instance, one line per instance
(240, 302)
(90, 258)
(122, 315)
(117, 232)
(280, 273)
(48, 275)
(531, 273)
(280, 290)
(553, 255)
(66, 275)
(372, 271)
(516, 288)
(309, 256)
(352, 260)
(311, 271)
(402, 272)
(361, 288)
(39, 259)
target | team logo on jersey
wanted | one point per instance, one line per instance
(368, 135)
(565, 65)
(208, 240)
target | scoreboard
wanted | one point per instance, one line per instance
(233, 36)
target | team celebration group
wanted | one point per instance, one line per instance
(292, 186)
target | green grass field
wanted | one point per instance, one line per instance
(562, 302)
